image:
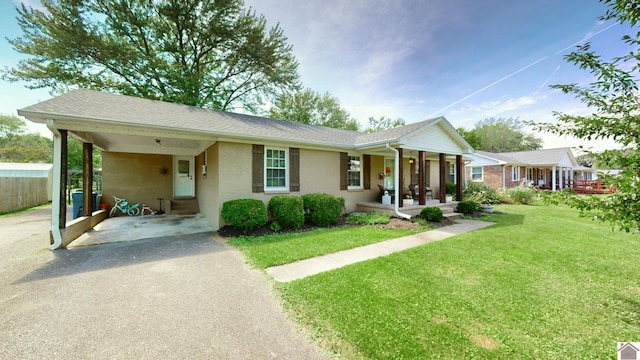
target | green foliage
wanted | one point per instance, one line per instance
(11, 125)
(75, 155)
(480, 193)
(287, 211)
(383, 123)
(450, 188)
(468, 207)
(16, 145)
(500, 135)
(370, 218)
(432, 214)
(472, 137)
(309, 107)
(207, 53)
(612, 97)
(245, 214)
(323, 209)
(520, 195)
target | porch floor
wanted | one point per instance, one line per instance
(413, 210)
(129, 228)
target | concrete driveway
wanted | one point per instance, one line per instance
(173, 297)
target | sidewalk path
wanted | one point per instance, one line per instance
(303, 268)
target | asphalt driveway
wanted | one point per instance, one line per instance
(173, 297)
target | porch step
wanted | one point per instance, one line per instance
(184, 206)
(448, 209)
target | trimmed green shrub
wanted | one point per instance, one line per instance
(287, 211)
(450, 188)
(323, 209)
(468, 207)
(481, 193)
(370, 218)
(521, 195)
(431, 214)
(245, 214)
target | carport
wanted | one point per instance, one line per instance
(113, 135)
(129, 228)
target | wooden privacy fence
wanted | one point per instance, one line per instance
(22, 192)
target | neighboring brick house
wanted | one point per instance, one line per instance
(545, 168)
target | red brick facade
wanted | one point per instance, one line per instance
(493, 176)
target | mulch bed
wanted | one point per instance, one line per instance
(232, 231)
(394, 223)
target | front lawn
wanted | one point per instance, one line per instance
(272, 250)
(543, 283)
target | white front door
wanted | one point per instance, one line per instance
(184, 180)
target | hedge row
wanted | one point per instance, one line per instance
(288, 212)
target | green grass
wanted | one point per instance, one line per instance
(20, 211)
(265, 251)
(542, 284)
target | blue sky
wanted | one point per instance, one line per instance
(466, 60)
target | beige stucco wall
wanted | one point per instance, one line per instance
(207, 190)
(319, 172)
(136, 177)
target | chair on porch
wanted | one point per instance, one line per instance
(415, 193)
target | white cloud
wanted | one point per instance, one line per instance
(380, 64)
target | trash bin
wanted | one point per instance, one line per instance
(77, 199)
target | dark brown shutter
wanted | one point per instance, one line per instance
(427, 173)
(366, 171)
(344, 168)
(294, 169)
(257, 169)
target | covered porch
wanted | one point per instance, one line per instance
(448, 208)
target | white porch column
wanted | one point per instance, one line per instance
(553, 178)
(559, 179)
(57, 199)
(571, 177)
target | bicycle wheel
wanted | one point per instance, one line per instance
(112, 212)
(133, 211)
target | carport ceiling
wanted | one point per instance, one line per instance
(142, 144)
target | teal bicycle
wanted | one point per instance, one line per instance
(124, 207)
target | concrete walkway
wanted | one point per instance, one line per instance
(303, 268)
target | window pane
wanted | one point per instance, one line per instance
(353, 172)
(276, 168)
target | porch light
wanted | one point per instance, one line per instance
(411, 160)
(158, 142)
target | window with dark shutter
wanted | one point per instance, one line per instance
(366, 171)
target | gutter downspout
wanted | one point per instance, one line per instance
(397, 182)
(55, 198)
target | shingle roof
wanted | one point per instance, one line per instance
(96, 106)
(533, 157)
(100, 106)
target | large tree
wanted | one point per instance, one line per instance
(383, 123)
(501, 135)
(208, 53)
(614, 100)
(17, 145)
(310, 107)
